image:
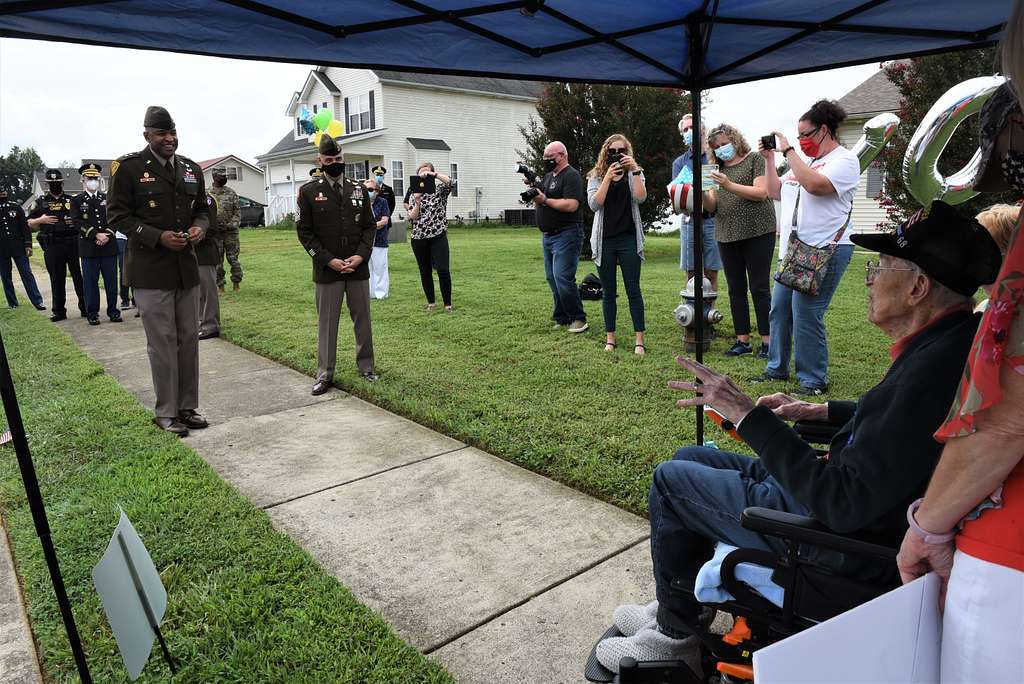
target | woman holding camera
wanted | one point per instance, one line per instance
(817, 203)
(615, 190)
(428, 214)
(745, 231)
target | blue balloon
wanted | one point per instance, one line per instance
(307, 126)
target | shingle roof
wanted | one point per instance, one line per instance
(877, 94)
(429, 144)
(328, 83)
(207, 163)
(72, 181)
(498, 86)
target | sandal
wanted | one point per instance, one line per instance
(609, 346)
(639, 346)
(431, 307)
(448, 309)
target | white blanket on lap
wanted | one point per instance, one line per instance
(709, 589)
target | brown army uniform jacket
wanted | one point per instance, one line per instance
(335, 224)
(207, 252)
(143, 201)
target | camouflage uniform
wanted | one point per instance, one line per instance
(228, 217)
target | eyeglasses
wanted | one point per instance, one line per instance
(872, 268)
(808, 134)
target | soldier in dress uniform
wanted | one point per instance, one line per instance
(336, 228)
(51, 216)
(229, 215)
(97, 245)
(209, 256)
(158, 199)
(384, 190)
(16, 246)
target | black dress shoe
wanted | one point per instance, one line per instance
(83, 314)
(172, 425)
(116, 319)
(58, 317)
(320, 387)
(94, 321)
(39, 307)
(192, 419)
(209, 335)
(137, 314)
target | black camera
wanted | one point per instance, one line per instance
(527, 195)
(614, 157)
(768, 142)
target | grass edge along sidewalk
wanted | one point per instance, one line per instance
(246, 604)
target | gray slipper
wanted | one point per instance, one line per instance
(631, 618)
(649, 644)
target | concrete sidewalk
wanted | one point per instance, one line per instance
(18, 662)
(498, 573)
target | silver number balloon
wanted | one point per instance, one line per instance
(920, 174)
(878, 131)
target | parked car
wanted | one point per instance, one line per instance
(251, 211)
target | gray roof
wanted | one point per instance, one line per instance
(289, 144)
(498, 86)
(428, 144)
(72, 181)
(877, 94)
(328, 83)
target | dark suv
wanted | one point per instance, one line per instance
(251, 211)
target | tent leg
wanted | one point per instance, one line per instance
(35, 502)
(696, 37)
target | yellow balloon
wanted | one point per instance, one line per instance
(335, 128)
(316, 138)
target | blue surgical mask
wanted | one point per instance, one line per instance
(688, 137)
(726, 152)
(380, 179)
(371, 193)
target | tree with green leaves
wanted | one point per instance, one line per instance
(16, 169)
(582, 115)
(922, 81)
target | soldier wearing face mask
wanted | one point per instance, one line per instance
(229, 216)
(97, 245)
(51, 216)
(384, 190)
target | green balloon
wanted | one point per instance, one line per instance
(322, 119)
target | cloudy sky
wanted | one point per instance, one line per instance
(75, 101)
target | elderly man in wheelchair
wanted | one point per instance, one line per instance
(816, 531)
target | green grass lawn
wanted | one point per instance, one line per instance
(245, 603)
(496, 375)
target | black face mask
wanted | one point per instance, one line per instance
(56, 188)
(219, 181)
(334, 169)
(549, 165)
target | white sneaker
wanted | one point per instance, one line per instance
(578, 326)
(630, 619)
(649, 644)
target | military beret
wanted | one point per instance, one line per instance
(328, 146)
(53, 175)
(378, 170)
(90, 170)
(158, 117)
(315, 172)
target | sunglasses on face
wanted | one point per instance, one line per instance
(617, 150)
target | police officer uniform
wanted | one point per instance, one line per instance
(59, 242)
(380, 285)
(89, 214)
(153, 199)
(16, 246)
(208, 256)
(336, 222)
(386, 191)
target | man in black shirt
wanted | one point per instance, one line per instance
(879, 462)
(560, 218)
(51, 216)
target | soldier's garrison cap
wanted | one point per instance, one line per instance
(158, 117)
(328, 146)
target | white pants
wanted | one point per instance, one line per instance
(983, 625)
(379, 283)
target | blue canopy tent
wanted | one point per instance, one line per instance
(688, 44)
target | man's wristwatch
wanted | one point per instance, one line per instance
(928, 537)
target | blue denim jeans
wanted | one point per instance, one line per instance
(27, 279)
(696, 500)
(798, 320)
(92, 268)
(561, 257)
(620, 250)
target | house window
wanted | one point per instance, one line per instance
(314, 109)
(233, 173)
(323, 106)
(358, 113)
(298, 128)
(357, 170)
(398, 178)
(875, 180)
(455, 179)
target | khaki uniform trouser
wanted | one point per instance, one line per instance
(209, 301)
(329, 297)
(171, 321)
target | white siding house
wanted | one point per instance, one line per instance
(243, 177)
(468, 127)
(876, 95)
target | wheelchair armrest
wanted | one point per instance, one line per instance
(816, 431)
(807, 530)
